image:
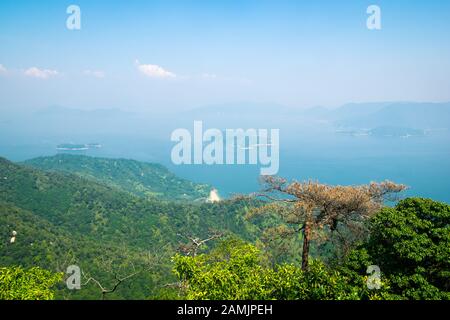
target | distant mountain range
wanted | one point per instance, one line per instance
(59, 111)
(419, 115)
(409, 115)
(399, 114)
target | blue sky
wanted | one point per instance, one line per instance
(148, 55)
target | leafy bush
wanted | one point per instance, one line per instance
(235, 271)
(411, 245)
(27, 284)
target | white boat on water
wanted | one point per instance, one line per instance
(72, 147)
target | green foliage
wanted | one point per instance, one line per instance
(35, 283)
(411, 245)
(235, 270)
(64, 219)
(149, 180)
(104, 216)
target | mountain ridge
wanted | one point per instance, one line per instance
(149, 180)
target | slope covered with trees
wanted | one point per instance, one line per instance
(63, 219)
(293, 240)
(139, 178)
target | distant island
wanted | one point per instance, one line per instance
(390, 131)
(385, 131)
(77, 147)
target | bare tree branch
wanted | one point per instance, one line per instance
(195, 242)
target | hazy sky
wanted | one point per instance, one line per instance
(145, 55)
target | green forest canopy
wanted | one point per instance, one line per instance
(108, 227)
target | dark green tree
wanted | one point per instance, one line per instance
(411, 245)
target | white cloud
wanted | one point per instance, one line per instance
(94, 73)
(2, 69)
(41, 74)
(154, 71)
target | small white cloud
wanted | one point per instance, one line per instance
(2, 69)
(94, 73)
(41, 74)
(154, 71)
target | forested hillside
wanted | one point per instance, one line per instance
(62, 219)
(143, 179)
(294, 240)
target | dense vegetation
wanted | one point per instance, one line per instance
(139, 178)
(64, 219)
(237, 271)
(131, 242)
(410, 243)
(32, 284)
